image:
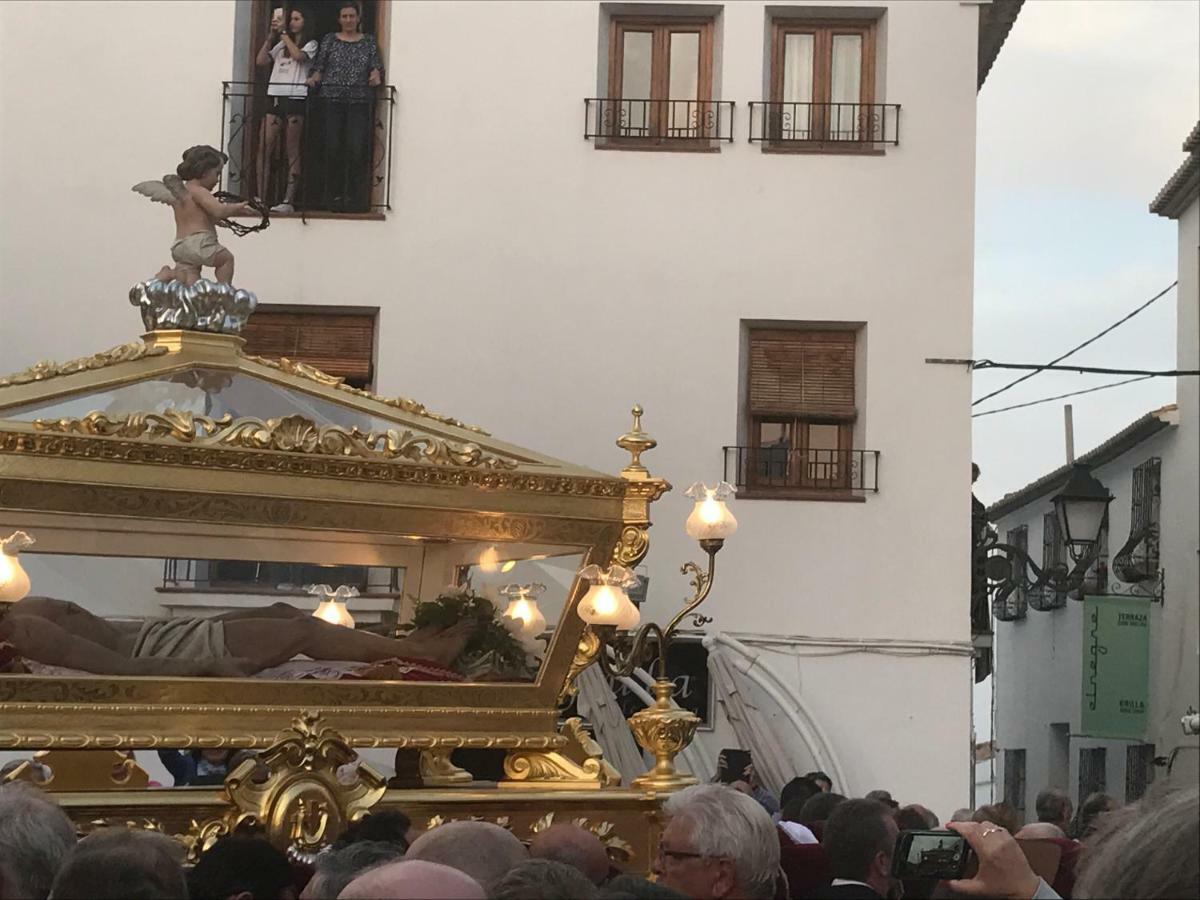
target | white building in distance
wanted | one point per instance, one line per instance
(1152, 471)
(575, 207)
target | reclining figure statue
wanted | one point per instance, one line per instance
(231, 645)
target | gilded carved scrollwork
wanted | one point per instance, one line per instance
(303, 370)
(80, 770)
(437, 770)
(200, 836)
(48, 369)
(549, 769)
(583, 747)
(632, 547)
(302, 803)
(585, 655)
(292, 434)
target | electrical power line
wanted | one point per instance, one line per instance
(1090, 340)
(1084, 370)
(1101, 387)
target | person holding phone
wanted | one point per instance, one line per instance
(289, 51)
(736, 768)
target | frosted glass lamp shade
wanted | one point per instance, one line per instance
(608, 604)
(489, 561)
(710, 518)
(533, 622)
(334, 612)
(14, 581)
(523, 607)
(332, 608)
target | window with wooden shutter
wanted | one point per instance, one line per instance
(337, 341)
(802, 373)
(801, 403)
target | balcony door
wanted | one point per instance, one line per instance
(660, 79)
(822, 81)
(800, 453)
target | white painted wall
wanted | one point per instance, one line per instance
(1177, 679)
(539, 287)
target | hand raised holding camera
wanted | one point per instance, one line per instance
(1003, 869)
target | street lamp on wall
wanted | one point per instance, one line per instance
(1081, 509)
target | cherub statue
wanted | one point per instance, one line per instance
(197, 212)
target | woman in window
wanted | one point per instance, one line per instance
(346, 69)
(289, 51)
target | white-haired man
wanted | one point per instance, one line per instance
(35, 837)
(719, 843)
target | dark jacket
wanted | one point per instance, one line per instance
(846, 892)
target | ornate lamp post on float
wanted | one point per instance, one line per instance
(663, 728)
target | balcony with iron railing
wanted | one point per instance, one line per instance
(817, 127)
(345, 152)
(802, 473)
(658, 124)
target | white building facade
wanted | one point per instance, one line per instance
(539, 282)
(1151, 469)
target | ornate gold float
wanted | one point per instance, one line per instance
(99, 457)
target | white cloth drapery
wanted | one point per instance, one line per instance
(754, 727)
(598, 704)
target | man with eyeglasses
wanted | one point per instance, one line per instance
(719, 843)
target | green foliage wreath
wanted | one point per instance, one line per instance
(490, 636)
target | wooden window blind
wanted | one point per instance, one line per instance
(341, 344)
(802, 373)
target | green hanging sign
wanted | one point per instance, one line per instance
(1116, 667)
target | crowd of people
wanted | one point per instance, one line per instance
(340, 71)
(720, 840)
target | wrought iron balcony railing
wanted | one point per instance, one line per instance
(619, 119)
(265, 577)
(786, 469)
(800, 125)
(345, 150)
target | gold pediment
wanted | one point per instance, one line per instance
(202, 390)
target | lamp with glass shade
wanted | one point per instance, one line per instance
(523, 606)
(662, 728)
(1082, 510)
(14, 581)
(332, 606)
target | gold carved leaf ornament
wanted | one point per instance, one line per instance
(291, 434)
(312, 373)
(48, 369)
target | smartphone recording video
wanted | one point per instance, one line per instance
(930, 855)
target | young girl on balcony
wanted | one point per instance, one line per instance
(289, 51)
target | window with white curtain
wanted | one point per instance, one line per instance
(660, 76)
(822, 80)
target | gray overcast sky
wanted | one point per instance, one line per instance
(1080, 123)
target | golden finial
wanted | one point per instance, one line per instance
(636, 442)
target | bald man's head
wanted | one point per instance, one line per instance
(576, 847)
(413, 880)
(480, 849)
(1040, 831)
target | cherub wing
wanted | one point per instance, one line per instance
(169, 191)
